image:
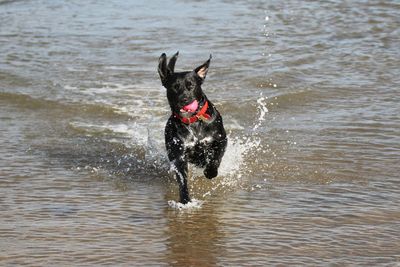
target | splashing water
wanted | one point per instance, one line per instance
(262, 107)
(193, 204)
(235, 165)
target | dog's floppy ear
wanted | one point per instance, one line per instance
(162, 68)
(202, 70)
(171, 63)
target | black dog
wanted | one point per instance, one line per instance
(194, 133)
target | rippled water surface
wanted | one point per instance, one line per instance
(309, 92)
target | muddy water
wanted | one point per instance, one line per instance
(310, 97)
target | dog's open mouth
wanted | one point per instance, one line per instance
(191, 107)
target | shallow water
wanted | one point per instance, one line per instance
(310, 97)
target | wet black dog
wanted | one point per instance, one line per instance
(194, 133)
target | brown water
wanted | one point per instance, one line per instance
(310, 96)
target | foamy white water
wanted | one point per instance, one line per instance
(193, 204)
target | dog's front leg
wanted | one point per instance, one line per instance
(214, 158)
(176, 155)
(181, 170)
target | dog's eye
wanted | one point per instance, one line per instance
(176, 87)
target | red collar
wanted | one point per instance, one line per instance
(201, 115)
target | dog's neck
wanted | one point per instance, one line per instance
(200, 114)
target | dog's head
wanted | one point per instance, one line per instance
(183, 88)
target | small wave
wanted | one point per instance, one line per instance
(66, 108)
(13, 80)
(135, 100)
(3, 2)
(26, 101)
(120, 67)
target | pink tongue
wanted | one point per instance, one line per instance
(192, 107)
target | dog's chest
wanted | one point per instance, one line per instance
(197, 149)
(192, 142)
(196, 139)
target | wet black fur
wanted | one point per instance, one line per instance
(201, 143)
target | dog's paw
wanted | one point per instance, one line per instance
(210, 172)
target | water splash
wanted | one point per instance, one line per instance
(193, 204)
(237, 161)
(262, 108)
(240, 147)
(147, 151)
